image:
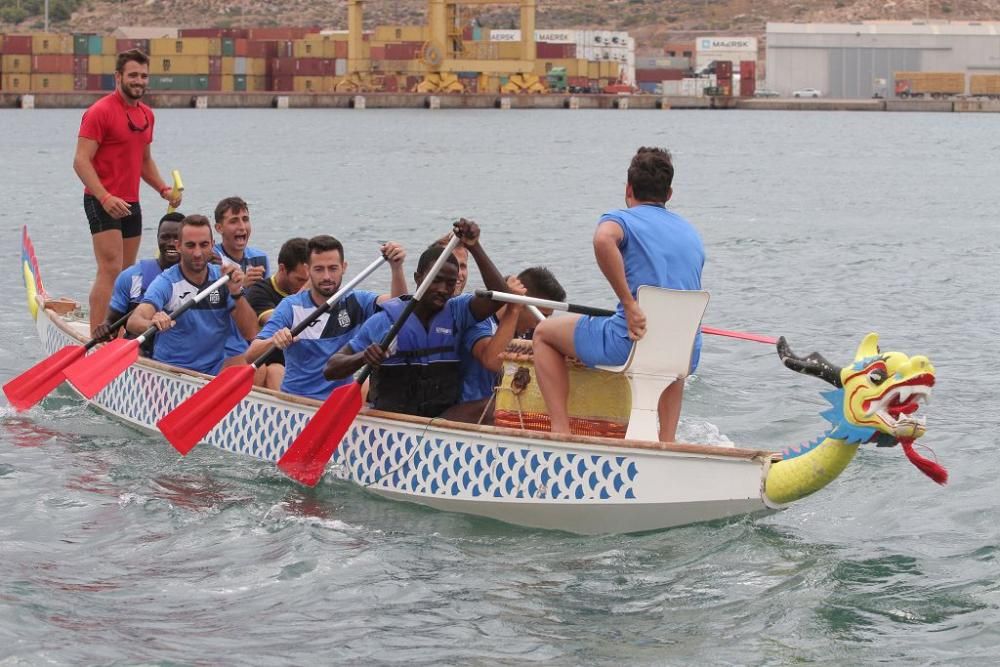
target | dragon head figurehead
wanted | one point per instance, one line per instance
(876, 398)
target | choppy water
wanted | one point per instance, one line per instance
(819, 226)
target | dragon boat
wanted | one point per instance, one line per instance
(619, 481)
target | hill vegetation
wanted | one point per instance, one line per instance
(651, 21)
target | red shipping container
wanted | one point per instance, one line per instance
(284, 83)
(748, 78)
(723, 70)
(214, 65)
(403, 51)
(378, 53)
(279, 33)
(240, 47)
(215, 82)
(80, 82)
(547, 50)
(658, 75)
(129, 44)
(281, 66)
(312, 67)
(390, 84)
(17, 45)
(80, 64)
(200, 32)
(340, 49)
(50, 64)
(261, 49)
(93, 82)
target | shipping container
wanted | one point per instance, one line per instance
(279, 33)
(17, 45)
(101, 64)
(179, 65)
(192, 46)
(100, 82)
(15, 64)
(52, 83)
(228, 47)
(377, 52)
(122, 45)
(15, 83)
(262, 49)
(284, 83)
(748, 78)
(81, 65)
(659, 75)
(340, 66)
(50, 43)
(400, 33)
(49, 64)
(191, 82)
(403, 50)
(547, 50)
(723, 70)
(240, 47)
(256, 84)
(215, 65)
(256, 67)
(215, 82)
(81, 44)
(985, 84)
(79, 82)
(340, 49)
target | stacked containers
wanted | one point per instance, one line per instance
(15, 64)
(185, 64)
(52, 63)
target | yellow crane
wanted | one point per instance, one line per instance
(444, 52)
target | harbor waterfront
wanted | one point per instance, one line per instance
(817, 226)
(81, 100)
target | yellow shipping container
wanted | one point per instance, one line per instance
(109, 46)
(52, 83)
(542, 67)
(984, 84)
(228, 66)
(15, 64)
(314, 47)
(610, 69)
(256, 66)
(308, 84)
(400, 33)
(178, 65)
(101, 64)
(227, 82)
(187, 46)
(509, 50)
(593, 70)
(50, 43)
(15, 83)
(256, 84)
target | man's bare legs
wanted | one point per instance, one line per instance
(669, 410)
(552, 343)
(108, 251)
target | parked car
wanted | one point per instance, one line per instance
(766, 92)
(807, 92)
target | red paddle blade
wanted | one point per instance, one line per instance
(35, 383)
(739, 334)
(306, 459)
(191, 421)
(96, 371)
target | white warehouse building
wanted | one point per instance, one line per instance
(858, 60)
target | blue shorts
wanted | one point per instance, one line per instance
(604, 341)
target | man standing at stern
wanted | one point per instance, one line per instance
(112, 154)
(642, 244)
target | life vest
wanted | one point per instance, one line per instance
(422, 375)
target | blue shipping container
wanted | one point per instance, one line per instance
(95, 45)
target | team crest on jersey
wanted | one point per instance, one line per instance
(343, 318)
(214, 297)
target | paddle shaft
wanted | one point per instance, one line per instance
(419, 294)
(327, 305)
(186, 306)
(177, 189)
(118, 324)
(601, 312)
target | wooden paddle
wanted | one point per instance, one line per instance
(191, 421)
(306, 458)
(93, 373)
(38, 381)
(601, 312)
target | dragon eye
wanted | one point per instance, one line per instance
(877, 376)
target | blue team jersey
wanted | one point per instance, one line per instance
(378, 325)
(659, 248)
(307, 356)
(236, 344)
(477, 380)
(197, 339)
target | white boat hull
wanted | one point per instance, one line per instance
(576, 484)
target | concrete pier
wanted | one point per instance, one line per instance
(213, 100)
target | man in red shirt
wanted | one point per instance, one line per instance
(112, 154)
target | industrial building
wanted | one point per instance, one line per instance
(860, 60)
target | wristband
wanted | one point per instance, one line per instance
(105, 198)
(165, 188)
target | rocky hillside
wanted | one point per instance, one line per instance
(651, 21)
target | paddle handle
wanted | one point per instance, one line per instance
(119, 323)
(419, 294)
(543, 303)
(186, 306)
(177, 189)
(272, 349)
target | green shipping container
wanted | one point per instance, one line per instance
(228, 46)
(80, 45)
(240, 83)
(178, 82)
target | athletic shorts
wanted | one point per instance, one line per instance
(604, 341)
(130, 226)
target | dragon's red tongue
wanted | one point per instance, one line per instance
(930, 468)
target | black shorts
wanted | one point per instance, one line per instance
(130, 226)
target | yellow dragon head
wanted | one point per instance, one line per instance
(877, 397)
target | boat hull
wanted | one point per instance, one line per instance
(577, 484)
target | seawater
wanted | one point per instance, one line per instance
(818, 226)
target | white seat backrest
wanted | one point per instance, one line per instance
(672, 321)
